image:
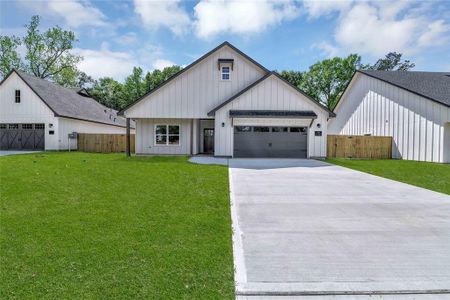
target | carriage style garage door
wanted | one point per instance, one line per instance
(263, 141)
(22, 136)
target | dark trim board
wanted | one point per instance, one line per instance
(121, 112)
(213, 111)
(294, 114)
(388, 82)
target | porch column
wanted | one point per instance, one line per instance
(128, 138)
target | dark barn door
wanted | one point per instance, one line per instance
(208, 140)
(22, 136)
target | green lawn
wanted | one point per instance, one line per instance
(431, 176)
(89, 226)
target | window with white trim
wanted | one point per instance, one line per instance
(225, 73)
(168, 135)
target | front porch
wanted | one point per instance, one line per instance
(158, 136)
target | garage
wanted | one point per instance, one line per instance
(266, 141)
(16, 136)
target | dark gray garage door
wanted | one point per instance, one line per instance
(259, 141)
(22, 136)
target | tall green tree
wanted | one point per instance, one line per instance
(327, 79)
(393, 62)
(134, 86)
(156, 77)
(9, 57)
(49, 53)
(294, 77)
(108, 92)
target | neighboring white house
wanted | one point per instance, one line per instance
(38, 114)
(227, 104)
(412, 107)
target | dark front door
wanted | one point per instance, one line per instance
(208, 140)
(265, 141)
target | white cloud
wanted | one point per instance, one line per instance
(363, 30)
(436, 34)
(317, 9)
(240, 17)
(103, 62)
(169, 13)
(376, 28)
(160, 64)
(76, 13)
(327, 49)
(127, 39)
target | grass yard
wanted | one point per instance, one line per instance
(89, 226)
(432, 176)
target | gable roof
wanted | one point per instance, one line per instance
(271, 73)
(434, 86)
(69, 102)
(121, 112)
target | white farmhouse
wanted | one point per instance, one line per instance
(227, 104)
(412, 107)
(36, 114)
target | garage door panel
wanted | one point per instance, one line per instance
(275, 143)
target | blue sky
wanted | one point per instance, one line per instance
(114, 36)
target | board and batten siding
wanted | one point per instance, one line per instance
(195, 92)
(145, 137)
(31, 109)
(67, 126)
(271, 94)
(416, 124)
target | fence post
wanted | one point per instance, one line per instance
(128, 142)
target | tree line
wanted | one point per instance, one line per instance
(49, 55)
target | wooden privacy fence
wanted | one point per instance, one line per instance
(355, 146)
(104, 143)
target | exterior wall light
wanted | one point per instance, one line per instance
(318, 125)
(223, 124)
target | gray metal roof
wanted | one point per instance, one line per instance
(71, 103)
(432, 85)
(296, 114)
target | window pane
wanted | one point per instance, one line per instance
(242, 128)
(38, 126)
(161, 129)
(225, 69)
(161, 139)
(2, 126)
(225, 76)
(279, 129)
(298, 129)
(174, 129)
(27, 126)
(174, 139)
(261, 129)
(13, 126)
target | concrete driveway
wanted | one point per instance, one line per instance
(304, 227)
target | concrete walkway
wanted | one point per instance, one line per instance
(304, 228)
(15, 152)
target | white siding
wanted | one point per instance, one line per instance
(31, 109)
(371, 106)
(145, 138)
(198, 90)
(270, 94)
(67, 126)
